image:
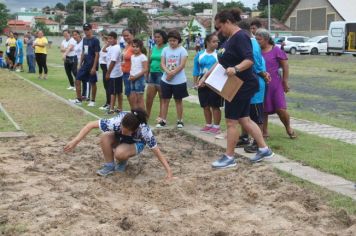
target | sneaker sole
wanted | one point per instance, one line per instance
(225, 167)
(270, 156)
(110, 173)
(266, 157)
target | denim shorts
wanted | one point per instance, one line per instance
(155, 78)
(138, 85)
(139, 147)
(126, 79)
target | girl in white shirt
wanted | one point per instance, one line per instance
(139, 67)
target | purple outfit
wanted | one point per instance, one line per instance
(275, 98)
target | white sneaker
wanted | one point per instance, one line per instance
(18, 70)
(91, 104)
(75, 101)
(71, 88)
(104, 108)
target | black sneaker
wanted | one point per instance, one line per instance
(243, 142)
(252, 148)
(161, 124)
(180, 124)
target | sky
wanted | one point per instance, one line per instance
(15, 5)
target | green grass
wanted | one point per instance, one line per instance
(5, 124)
(334, 200)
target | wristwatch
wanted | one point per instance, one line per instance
(237, 70)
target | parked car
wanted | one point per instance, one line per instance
(314, 46)
(290, 43)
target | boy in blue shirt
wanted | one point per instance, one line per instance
(18, 54)
(2, 60)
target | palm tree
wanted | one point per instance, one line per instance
(192, 29)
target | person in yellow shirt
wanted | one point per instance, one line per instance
(40, 46)
(11, 49)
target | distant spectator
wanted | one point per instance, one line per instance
(18, 54)
(40, 46)
(30, 53)
(197, 43)
(187, 43)
(2, 60)
(11, 49)
(69, 57)
(122, 42)
(150, 43)
(126, 62)
(254, 26)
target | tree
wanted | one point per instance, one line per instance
(166, 4)
(192, 29)
(278, 8)
(183, 11)
(42, 26)
(199, 7)
(138, 21)
(74, 19)
(60, 6)
(4, 16)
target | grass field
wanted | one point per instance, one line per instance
(5, 124)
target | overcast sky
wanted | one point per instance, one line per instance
(15, 5)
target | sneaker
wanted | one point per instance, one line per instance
(180, 124)
(91, 104)
(76, 101)
(262, 155)
(104, 107)
(70, 88)
(39, 77)
(243, 141)
(161, 124)
(224, 162)
(121, 166)
(117, 110)
(110, 112)
(206, 129)
(215, 130)
(251, 148)
(106, 170)
(17, 70)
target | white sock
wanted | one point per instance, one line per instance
(263, 149)
(216, 126)
(230, 157)
(209, 125)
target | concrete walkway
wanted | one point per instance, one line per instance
(331, 182)
(321, 130)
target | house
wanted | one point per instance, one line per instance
(312, 18)
(18, 26)
(205, 13)
(116, 4)
(27, 16)
(177, 22)
(52, 26)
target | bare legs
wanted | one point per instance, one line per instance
(285, 119)
(151, 92)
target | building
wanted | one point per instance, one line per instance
(177, 22)
(18, 26)
(205, 13)
(52, 26)
(116, 4)
(27, 16)
(312, 18)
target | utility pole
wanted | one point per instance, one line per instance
(215, 10)
(269, 15)
(84, 12)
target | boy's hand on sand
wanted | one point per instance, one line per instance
(70, 146)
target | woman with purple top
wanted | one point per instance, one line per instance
(275, 100)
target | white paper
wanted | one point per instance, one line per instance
(218, 77)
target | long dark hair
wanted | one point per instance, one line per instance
(163, 35)
(139, 44)
(208, 39)
(132, 120)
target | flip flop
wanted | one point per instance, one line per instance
(292, 135)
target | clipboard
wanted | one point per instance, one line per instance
(225, 86)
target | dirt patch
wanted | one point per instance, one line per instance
(46, 192)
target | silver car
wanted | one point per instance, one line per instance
(290, 43)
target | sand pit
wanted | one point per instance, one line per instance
(46, 192)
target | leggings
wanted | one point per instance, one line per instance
(41, 59)
(105, 82)
(70, 66)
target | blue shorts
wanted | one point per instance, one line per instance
(19, 59)
(155, 79)
(138, 85)
(125, 78)
(84, 74)
(139, 147)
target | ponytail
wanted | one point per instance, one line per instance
(133, 119)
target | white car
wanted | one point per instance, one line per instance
(291, 43)
(314, 46)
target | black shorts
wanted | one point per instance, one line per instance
(179, 91)
(208, 98)
(237, 108)
(256, 113)
(115, 86)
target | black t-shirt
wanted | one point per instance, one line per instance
(233, 52)
(90, 47)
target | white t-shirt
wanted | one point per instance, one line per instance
(102, 56)
(173, 59)
(78, 48)
(66, 43)
(114, 54)
(136, 64)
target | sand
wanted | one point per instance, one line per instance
(44, 191)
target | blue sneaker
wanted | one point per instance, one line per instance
(121, 166)
(224, 162)
(107, 169)
(260, 155)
